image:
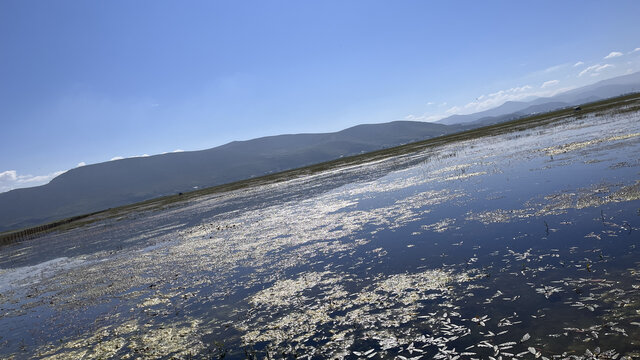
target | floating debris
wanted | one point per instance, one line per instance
(439, 253)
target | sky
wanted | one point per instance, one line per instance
(84, 82)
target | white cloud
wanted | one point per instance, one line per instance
(485, 102)
(424, 117)
(453, 110)
(605, 66)
(10, 180)
(613, 54)
(81, 163)
(594, 70)
(498, 98)
(522, 93)
(635, 50)
(132, 156)
(554, 68)
(9, 175)
(174, 151)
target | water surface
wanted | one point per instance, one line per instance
(520, 245)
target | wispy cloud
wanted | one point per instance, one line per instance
(10, 180)
(174, 151)
(82, 163)
(494, 99)
(546, 88)
(9, 175)
(594, 70)
(425, 117)
(613, 54)
(134, 156)
(635, 50)
(554, 68)
(488, 101)
(453, 110)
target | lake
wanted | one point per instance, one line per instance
(522, 244)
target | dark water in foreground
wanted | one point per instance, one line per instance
(524, 245)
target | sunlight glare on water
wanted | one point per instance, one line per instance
(521, 245)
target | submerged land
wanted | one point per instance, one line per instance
(516, 240)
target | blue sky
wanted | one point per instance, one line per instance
(84, 82)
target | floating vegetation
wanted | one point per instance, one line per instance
(379, 311)
(556, 150)
(486, 248)
(178, 341)
(440, 226)
(465, 176)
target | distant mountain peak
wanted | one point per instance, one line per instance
(600, 90)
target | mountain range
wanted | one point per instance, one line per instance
(601, 90)
(114, 183)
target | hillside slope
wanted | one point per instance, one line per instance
(114, 183)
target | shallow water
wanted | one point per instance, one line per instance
(521, 245)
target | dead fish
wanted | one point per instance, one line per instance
(535, 352)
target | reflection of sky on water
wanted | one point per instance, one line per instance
(519, 245)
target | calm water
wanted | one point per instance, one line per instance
(521, 245)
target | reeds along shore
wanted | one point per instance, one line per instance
(32, 232)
